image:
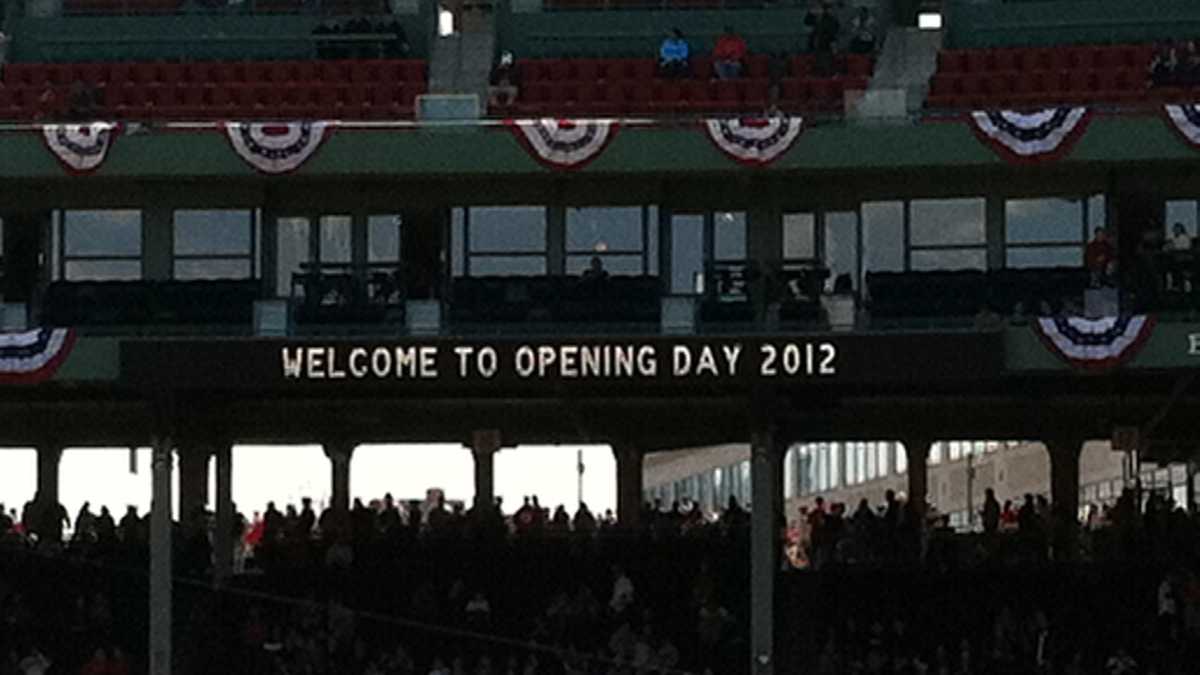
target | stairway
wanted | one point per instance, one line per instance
(908, 60)
(461, 63)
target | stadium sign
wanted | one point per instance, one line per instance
(497, 365)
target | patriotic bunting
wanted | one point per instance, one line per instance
(1030, 137)
(754, 141)
(1185, 120)
(33, 356)
(563, 143)
(80, 148)
(276, 147)
(1094, 344)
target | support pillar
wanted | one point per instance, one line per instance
(629, 484)
(764, 546)
(484, 445)
(1064, 495)
(160, 559)
(193, 482)
(340, 452)
(917, 450)
(223, 542)
(48, 457)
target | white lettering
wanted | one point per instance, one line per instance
(623, 361)
(464, 353)
(732, 354)
(768, 363)
(316, 361)
(681, 361)
(546, 358)
(293, 360)
(486, 362)
(406, 360)
(828, 353)
(569, 360)
(358, 368)
(707, 361)
(590, 363)
(1193, 344)
(525, 361)
(334, 373)
(647, 361)
(381, 362)
(428, 367)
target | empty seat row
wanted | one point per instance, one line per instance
(201, 102)
(617, 298)
(366, 71)
(952, 293)
(757, 66)
(340, 7)
(1090, 57)
(681, 96)
(93, 303)
(121, 6)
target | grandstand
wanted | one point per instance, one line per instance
(813, 252)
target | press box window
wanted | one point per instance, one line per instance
(100, 245)
(623, 238)
(214, 244)
(501, 240)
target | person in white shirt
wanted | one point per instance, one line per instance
(1180, 239)
(35, 663)
(622, 591)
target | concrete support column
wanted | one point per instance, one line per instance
(160, 558)
(223, 542)
(340, 452)
(917, 451)
(48, 457)
(193, 482)
(764, 534)
(484, 444)
(629, 484)
(1064, 495)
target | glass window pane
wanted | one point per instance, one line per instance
(109, 232)
(457, 242)
(1044, 256)
(335, 239)
(799, 232)
(729, 235)
(613, 264)
(213, 232)
(1182, 212)
(901, 459)
(841, 244)
(189, 269)
(687, 252)
(292, 249)
(835, 465)
(507, 265)
(881, 450)
(383, 238)
(598, 230)
(508, 229)
(652, 240)
(103, 270)
(1032, 221)
(947, 221)
(1097, 213)
(883, 236)
(949, 259)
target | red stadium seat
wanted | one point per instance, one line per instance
(758, 66)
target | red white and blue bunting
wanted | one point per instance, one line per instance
(80, 148)
(1030, 136)
(754, 141)
(276, 147)
(33, 356)
(563, 143)
(1095, 344)
(1185, 120)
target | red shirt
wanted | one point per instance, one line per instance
(730, 47)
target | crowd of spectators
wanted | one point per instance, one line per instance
(1175, 64)
(416, 587)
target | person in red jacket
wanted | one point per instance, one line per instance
(728, 55)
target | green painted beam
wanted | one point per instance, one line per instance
(491, 152)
